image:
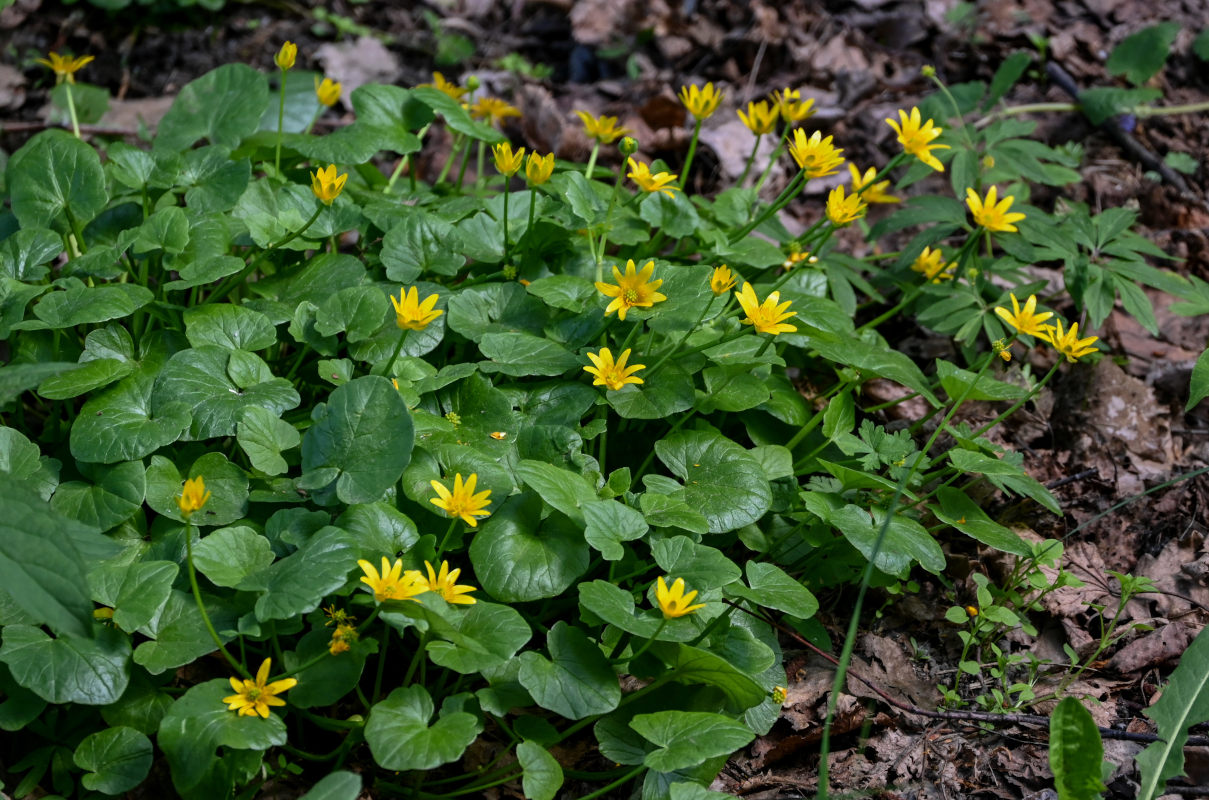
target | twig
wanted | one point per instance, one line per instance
(968, 716)
(1078, 476)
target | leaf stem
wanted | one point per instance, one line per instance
(201, 606)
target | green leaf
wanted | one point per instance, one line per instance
(326, 680)
(180, 635)
(23, 254)
(81, 305)
(379, 528)
(608, 523)
(358, 312)
(69, 669)
(694, 665)
(167, 229)
(958, 510)
(1075, 752)
(1184, 701)
(419, 244)
(519, 353)
(905, 543)
(687, 738)
(676, 215)
(114, 497)
(771, 587)
(199, 723)
(118, 759)
(721, 479)
(956, 380)
(366, 433)
(666, 394)
(217, 385)
(577, 681)
(137, 592)
(227, 484)
(1006, 76)
(1104, 102)
(298, 583)
(517, 556)
(400, 737)
(336, 786)
(733, 388)
(1140, 57)
(562, 489)
(1198, 388)
(615, 606)
(229, 326)
(543, 776)
(20, 706)
(214, 182)
(17, 378)
(224, 105)
(229, 555)
(264, 437)
(455, 116)
(119, 424)
(701, 566)
(1005, 475)
(89, 375)
(21, 461)
(481, 637)
(54, 175)
(40, 565)
(875, 359)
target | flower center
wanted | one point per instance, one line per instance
(630, 296)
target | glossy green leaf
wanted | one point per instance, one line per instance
(227, 484)
(421, 244)
(543, 775)
(198, 724)
(687, 738)
(957, 509)
(1003, 474)
(81, 305)
(770, 587)
(694, 665)
(264, 437)
(23, 254)
(20, 706)
(608, 523)
(327, 680)
(136, 592)
(721, 479)
(518, 354)
(401, 738)
(228, 556)
(1183, 702)
(229, 326)
(358, 312)
(336, 786)
(958, 382)
(120, 425)
(117, 760)
(297, 583)
(904, 544)
(562, 489)
(55, 174)
(224, 106)
(179, 634)
(114, 496)
(699, 565)
(455, 116)
(213, 180)
(366, 433)
(518, 556)
(1076, 752)
(1198, 388)
(21, 461)
(68, 669)
(378, 528)
(475, 638)
(577, 681)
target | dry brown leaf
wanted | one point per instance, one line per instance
(1165, 645)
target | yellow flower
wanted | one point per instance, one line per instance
(506, 161)
(793, 259)
(193, 496)
(286, 55)
(1027, 321)
(701, 102)
(65, 66)
(440, 84)
(1068, 343)
(769, 316)
(843, 210)
(462, 501)
(815, 155)
(603, 129)
(931, 264)
(328, 91)
(674, 602)
(633, 289)
(990, 214)
(392, 583)
(255, 697)
(792, 107)
(916, 138)
(342, 639)
(327, 185)
(760, 117)
(612, 374)
(445, 585)
(722, 281)
(410, 313)
(494, 110)
(641, 174)
(538, 169)
(872, 192)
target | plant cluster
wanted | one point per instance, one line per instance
(303, 464)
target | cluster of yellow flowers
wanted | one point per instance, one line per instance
(538, 169)
(1028, 322)
(395, 583)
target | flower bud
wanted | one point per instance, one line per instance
(628, 146)
(286, 55)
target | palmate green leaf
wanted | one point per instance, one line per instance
(687, 738)
(336, 786)
(137, 592)
(224, 106)
(400, 737)
(114, 496)
(41, 565)
(770, 587)
(1076, 752)
(217, 385)
(230, 555)
(366, 433)
(579, 682)
(608, 523)
(419, 244)
(1183, 702)
(525, 354)
(70, 669)
(227, 484)
(326, 681)
(229, 326)
(199, 723)
(721, 479)
(694, 665)
(81, 305)
(543, 775)
(518, 556)
(264, 437)
(55, 174)
(297, 583)
(117, 760)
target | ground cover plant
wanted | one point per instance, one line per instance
(309, 466)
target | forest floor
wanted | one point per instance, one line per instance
(1099, 435)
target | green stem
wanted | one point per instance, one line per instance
(505, 225)
(415, 659)
(230, 283)
(604, 790)
(445, 539)
(653, 638)
(791, 191)
(394, 176)
(750, 159)
(529, 227)
(71, 112)
(280, 125)
(592, 161)
(604, 234)
(1021, 402)
(382, 665)
(395, 355)
(201, 606)
(692, 151)
(676, 347)
(459, 141)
